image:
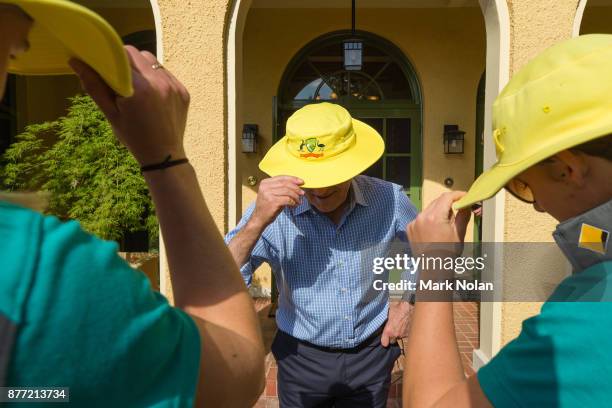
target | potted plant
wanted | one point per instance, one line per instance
(88, 175)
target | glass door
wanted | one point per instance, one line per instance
(401, 161)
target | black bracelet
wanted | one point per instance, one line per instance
(163, 165)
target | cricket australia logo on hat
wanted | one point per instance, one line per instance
(319, 131)
(593, 238)
(311, 144)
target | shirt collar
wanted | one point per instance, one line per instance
(358, 193)
(356, 197)
(303, 207)
(575, 237)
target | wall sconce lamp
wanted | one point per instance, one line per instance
(249, 138)
(453, 139)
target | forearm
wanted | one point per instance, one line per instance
(207, 284)
(433, 362)
(243, 243)
(202, 271)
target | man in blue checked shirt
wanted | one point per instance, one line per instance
(319, 224)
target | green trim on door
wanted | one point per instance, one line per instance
(413, 153)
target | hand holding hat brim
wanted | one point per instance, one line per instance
(63, 30)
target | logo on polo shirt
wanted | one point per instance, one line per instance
(593, 238)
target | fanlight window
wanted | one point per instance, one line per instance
(320, 76)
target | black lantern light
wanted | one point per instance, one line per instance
(353, 55)
(453, 139)
(249, 138)
(353, 48)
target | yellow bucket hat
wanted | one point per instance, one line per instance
(63, 30)
(323, 146)
(560, 99)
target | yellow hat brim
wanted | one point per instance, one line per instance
(494, 179)
(328, 171)
(557, 101)
(63, 30)
(487, 185)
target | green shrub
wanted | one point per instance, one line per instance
(90, 176)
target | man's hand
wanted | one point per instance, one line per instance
(439, 224)
(151, 122)
(397, 324)
(274, 194)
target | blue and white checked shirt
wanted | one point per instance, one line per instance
(324, 271)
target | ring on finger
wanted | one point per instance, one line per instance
(157, 65)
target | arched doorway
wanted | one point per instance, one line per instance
(593, 17)
(385, 93)
(260, 55)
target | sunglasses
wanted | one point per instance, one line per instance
(520, 190)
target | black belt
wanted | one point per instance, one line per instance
(367, 342)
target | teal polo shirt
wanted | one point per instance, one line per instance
(563, 356)
(83, 318)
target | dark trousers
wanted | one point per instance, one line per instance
(312, 376)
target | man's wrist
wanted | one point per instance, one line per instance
(408, 298)
(256, 226)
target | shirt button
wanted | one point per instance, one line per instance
(343, 290)
(340, 263)
(346, 317)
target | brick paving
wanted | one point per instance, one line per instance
(466, 328)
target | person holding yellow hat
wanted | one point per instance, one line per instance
(553, 133)
(318, 224)
(72, 313)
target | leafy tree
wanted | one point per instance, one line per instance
(90, 176)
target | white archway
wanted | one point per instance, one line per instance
(578, 17)
(233, 38)
(497, 22)
(158, 30)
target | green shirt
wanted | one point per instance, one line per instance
(563, 356)
(86, 320)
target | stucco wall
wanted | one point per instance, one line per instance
(193, 47)
(445, 46)
(535, 25)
